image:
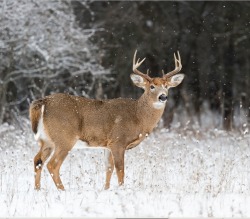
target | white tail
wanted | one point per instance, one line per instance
(60, 120)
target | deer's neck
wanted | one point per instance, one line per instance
(147, 113)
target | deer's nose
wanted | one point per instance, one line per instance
(163, 97)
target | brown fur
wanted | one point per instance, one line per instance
(116, 124)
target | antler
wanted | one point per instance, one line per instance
(136, 65)
(177, 69)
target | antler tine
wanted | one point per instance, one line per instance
(179, 57)
(175, 60)
(178, 66)
(136, 65)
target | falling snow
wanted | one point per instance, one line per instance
(182, 172)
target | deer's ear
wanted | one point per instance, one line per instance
(175, 80)
(138, 80)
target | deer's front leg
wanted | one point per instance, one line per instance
(109, 163)
(118, 156)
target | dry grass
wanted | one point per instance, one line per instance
(191, 173)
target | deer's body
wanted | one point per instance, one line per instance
(60, 120)
(92, 127)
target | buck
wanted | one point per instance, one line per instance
(60, 120)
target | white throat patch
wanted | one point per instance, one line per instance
(159, 105)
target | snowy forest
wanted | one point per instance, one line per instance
(199, 153)
(86, 48)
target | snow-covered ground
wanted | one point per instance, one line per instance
(182, 172)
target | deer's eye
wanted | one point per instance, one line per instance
(152, 87)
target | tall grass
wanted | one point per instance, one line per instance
(187, 172)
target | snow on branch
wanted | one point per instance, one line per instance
(35, 35)
(42, 46)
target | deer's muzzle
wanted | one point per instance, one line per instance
(163, 97)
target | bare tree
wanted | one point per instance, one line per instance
(42, 49)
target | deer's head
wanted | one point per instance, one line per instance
(156, 89)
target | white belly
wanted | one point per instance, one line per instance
(82, 144)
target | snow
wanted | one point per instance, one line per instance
(183, 172)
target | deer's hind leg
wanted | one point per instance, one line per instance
(62, 149)
(39, 160)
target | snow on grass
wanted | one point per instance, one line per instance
(174, 173)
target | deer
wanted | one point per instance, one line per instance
(61, 120)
